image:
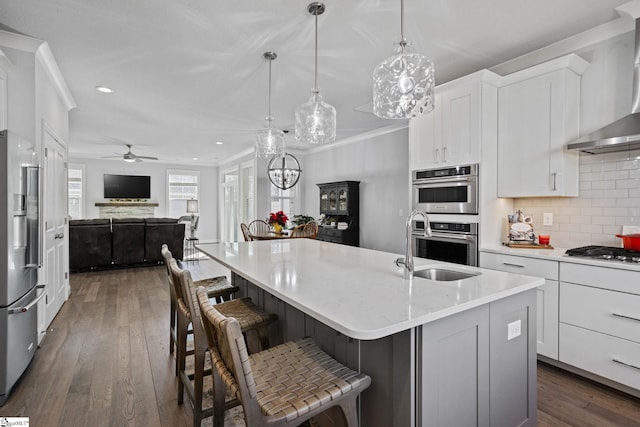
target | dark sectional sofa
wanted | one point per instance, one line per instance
(119, 242)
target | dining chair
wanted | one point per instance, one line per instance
(245, 231)
(258, 226)
(218, 288)
(251, 318)
(308, 230)
(284, 385)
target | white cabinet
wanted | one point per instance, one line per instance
(538, 113)
(453, 132)
(547, 312)
(600, 322)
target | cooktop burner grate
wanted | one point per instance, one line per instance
(605, 252)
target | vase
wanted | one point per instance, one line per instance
(277, 228)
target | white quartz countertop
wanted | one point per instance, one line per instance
(360, 292)
(558, 254)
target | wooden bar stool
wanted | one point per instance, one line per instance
(218, 288)
(282, 386)
(252, 319)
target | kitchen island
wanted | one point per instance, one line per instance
(458, 352)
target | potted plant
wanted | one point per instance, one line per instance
(302, 219)
(277, 220)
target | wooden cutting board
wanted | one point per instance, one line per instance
(528, 246)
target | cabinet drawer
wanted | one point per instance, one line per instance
(602, 277)
(601, 354)
(520, 265)
(613, 313)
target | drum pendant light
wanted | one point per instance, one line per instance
(315, 119)
(270, 140)
(403, 83)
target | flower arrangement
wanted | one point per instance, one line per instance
(277, 218)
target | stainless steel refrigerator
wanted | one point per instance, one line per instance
(19, 258)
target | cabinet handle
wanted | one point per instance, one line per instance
(513, 265)
(624, 316)
(616, 360)
(444, 154)
(554, 180)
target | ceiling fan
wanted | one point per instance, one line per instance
(130, 157)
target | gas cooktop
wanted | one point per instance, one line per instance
(605, 253)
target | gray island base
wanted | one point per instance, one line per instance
(460, 353)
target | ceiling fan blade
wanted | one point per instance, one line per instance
(145, 157)
(112, 157)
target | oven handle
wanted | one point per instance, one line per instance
(432, 182)
(447, 236)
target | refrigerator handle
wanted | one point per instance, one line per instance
(29, 306)
(34, 219)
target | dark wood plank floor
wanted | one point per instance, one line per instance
(105, 361)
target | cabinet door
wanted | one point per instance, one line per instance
(343, 199)
(324, 201)
(536, 118)
(422, 139)
(461, 125)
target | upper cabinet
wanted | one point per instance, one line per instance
(339, 198)
(453, 132)
(538, 113)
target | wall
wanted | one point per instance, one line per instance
(381, 164)
(609, 198)
(207, 203)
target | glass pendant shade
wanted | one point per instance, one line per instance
(315, 121)
(403, 83)
(269, 141)
(403, 86)
(284, 171)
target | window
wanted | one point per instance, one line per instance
(182, 185)
(283, 200)
(75, 185)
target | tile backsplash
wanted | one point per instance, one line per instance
(609, 197)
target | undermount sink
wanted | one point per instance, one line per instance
(442, 275)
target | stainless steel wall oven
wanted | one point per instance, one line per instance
(450, 242)
(452, 190)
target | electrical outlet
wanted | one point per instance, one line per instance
(514, 330)
(547, 218)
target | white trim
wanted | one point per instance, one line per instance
(83, 195)
(360, 137)
(5, 62)
(170, 172)
(50, 66)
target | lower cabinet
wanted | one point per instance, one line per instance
(349, 236)
(600, 322)
(547, 319)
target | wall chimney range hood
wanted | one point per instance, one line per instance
(623, 134)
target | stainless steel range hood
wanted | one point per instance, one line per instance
(623, 134)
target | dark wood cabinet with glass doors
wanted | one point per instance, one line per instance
(341, 200)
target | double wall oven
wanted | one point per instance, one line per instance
(450, 198)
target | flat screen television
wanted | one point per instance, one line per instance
(127, 186)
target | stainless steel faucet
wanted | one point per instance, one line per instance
(408, 257)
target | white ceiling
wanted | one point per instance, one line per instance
(188, 73)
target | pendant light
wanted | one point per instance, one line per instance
(315, 119)
(270, 140)
(403, 83)
(284, 171)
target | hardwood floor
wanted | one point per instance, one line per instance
(105, 362)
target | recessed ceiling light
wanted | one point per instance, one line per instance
(219, 142)
(104, 89)
(194, 158)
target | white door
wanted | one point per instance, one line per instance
(230, 224)
(55, 226)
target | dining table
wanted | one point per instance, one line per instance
(270, 235)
